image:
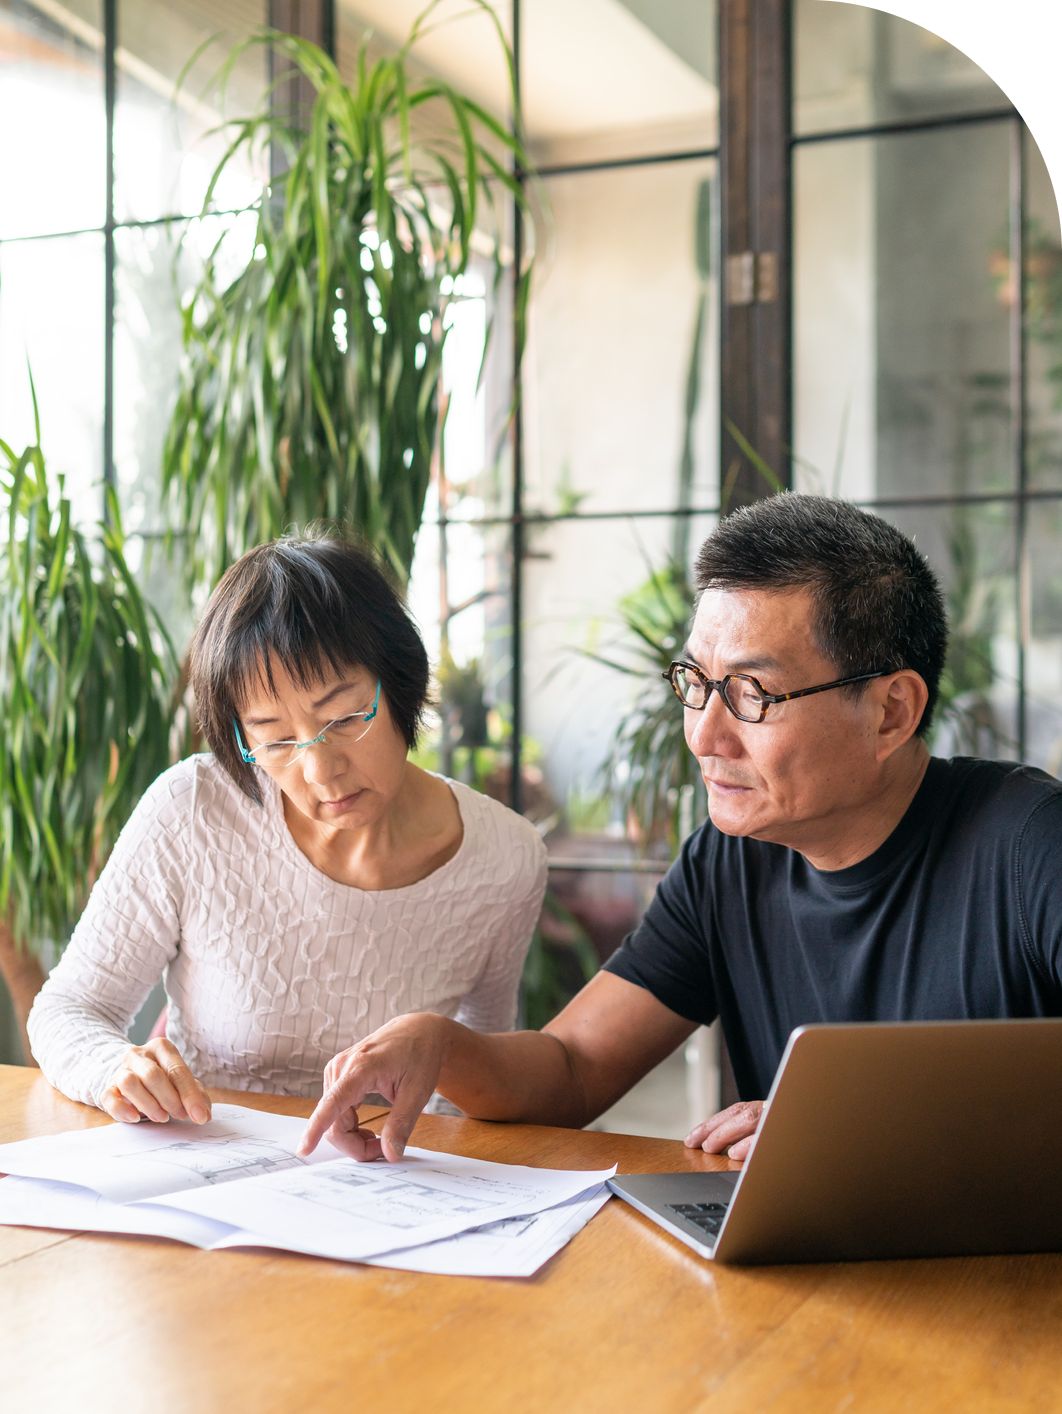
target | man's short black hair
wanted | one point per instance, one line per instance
(315, 604)
(878, 604)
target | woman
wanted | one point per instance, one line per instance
(304, 884)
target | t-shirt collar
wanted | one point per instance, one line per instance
(908, 834)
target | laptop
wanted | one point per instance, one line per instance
(887, 1139)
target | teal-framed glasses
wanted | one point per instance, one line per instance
(276, 755)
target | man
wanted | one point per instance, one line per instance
(844, 874)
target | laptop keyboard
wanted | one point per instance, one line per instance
(707, 1216)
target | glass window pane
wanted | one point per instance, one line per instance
(478, 391)
(163, 155)
(459, 596)
(621, 373)
(972, 548)
(147, 354)
(53, 174)
(590, 585)
(147, 351)
(460, 45)
(902, 338)
(1043, 657)
(618, 78)
(854, 66)
(51, 316)
(1043, 295)
(599, 78)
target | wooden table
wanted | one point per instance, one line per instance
(623, 1319)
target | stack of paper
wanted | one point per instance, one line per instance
(237, 1182)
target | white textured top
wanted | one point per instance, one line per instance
(270, 966)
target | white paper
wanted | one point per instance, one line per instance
(44, 1202)
(128, 1162)
(514, 1247)
(236, 1182)
(353, 1211)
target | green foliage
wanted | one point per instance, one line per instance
(976, 600)
(746, 447)
(569, 499)
(586, 812)
(649, 762)
(463, 709)
(1042, 290)
(86, 673)
(471, 740)
(309, 383)
(560, 959)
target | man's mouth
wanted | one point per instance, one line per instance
(727, 787)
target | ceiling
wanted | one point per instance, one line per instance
(588, 66)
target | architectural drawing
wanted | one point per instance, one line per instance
(394, 1199)
(219, 1160)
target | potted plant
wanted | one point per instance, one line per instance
(649, 769)
(86, 687)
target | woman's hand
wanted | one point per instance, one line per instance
(153, 1082)
(733, 1130)
(402, 1062)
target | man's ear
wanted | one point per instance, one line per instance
(902, 697)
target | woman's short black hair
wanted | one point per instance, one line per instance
(316, 604)
(878, 604)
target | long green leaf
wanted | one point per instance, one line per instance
(79, 679)
(300, 392)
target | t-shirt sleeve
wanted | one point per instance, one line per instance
(668, 953)
(128, 934)
(1039, 866)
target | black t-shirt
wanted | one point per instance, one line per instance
(957, 915)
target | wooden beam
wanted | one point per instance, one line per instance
(293, 99)
(754, 65)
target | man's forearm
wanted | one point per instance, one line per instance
(526, 1076)
(603, 1041)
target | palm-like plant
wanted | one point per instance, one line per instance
(309, 385)
(86, 674)
(649, 763)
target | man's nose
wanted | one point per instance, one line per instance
(712, 729)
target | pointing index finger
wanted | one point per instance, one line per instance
(337, 1098)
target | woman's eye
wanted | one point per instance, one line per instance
(344, 725)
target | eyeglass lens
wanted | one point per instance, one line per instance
(345, 731)
(742, 695)
(745, 698)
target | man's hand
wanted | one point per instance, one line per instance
(603, 1041)
(153, 1082)
(732, 1130)
(402, 1062)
